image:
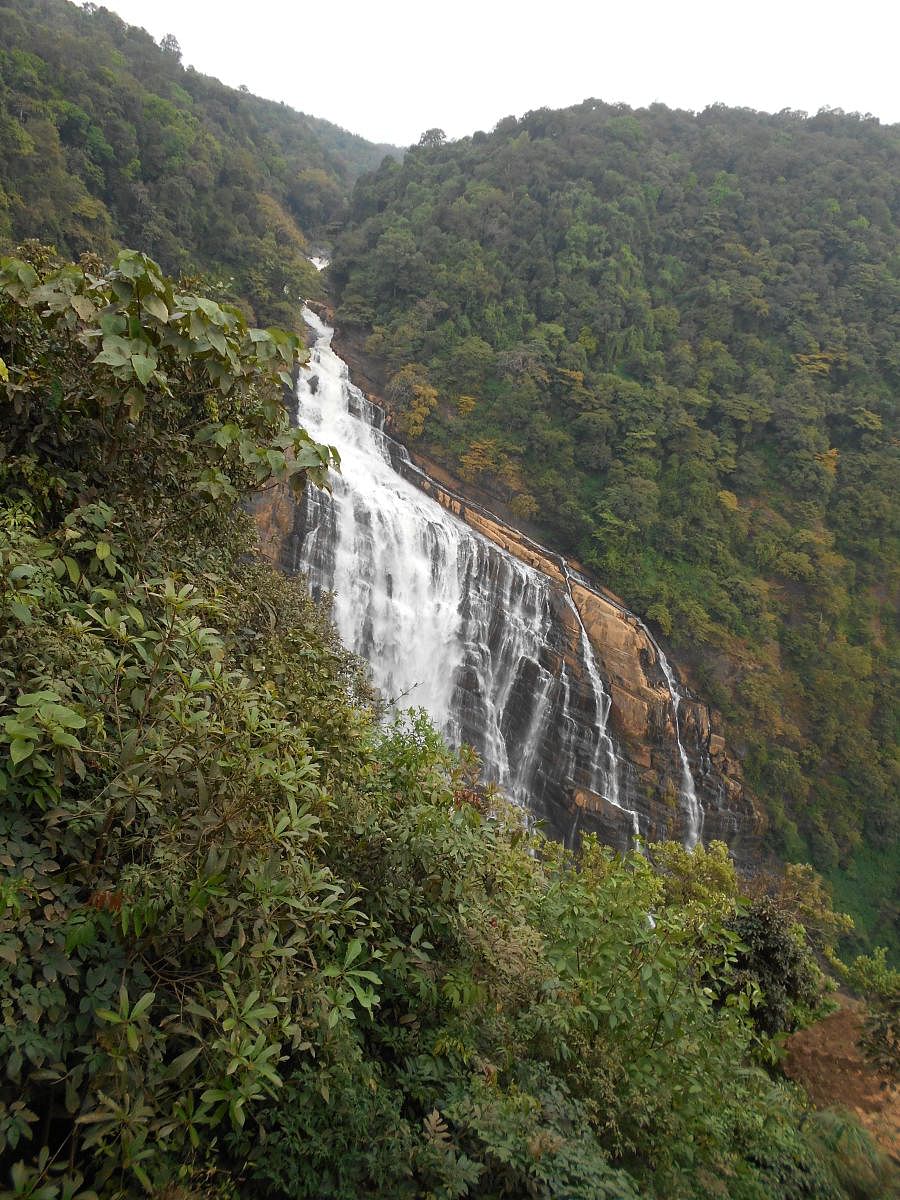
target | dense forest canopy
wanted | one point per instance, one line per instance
(255, 939)
(107, 140)
(256, 942)
(670, 342)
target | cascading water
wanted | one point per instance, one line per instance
(451, 622)
(603, 705)
(448, 621)
(693, 809)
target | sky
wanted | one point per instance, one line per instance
(391, 70)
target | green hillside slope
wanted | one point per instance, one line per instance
(254, 941)
(106, 139)
(670, 341)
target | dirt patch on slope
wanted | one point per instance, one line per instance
(827, 1061)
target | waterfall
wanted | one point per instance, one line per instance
(688, 790)
(603, 703)
(496, 653)
(409, 578)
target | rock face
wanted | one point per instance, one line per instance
(642, 717)
(655, 740)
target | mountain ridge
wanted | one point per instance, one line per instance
(107, 140)
(668, 340)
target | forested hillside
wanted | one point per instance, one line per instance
(670, 342)
(107, 140)
(255, 941)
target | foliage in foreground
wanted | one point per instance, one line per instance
(253, 941)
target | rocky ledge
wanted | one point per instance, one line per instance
(642, 716)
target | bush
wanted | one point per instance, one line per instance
(253, 939)
(775, 959)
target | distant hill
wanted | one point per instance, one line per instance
(670, 341)
(356, 154)
(106, 139)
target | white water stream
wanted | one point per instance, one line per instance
(448, 621)
(693, 809)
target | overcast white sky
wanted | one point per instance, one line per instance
(391, 69)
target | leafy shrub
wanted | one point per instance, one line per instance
(880, 986)
(774, 957)
(253, 939)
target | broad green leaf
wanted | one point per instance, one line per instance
(136, 400)
(21, 611)
(112, 323)
(20, 750)
(183, 1061)
(84, 307)
(112, 358)
(143, 367)
(61, 738)
(143, 1005)
(20, 729)
(67, 717)
(369, 975)
(22, 571)
(34, 699)
(27, 274)
(156, 307)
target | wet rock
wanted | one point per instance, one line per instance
(548, 720)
